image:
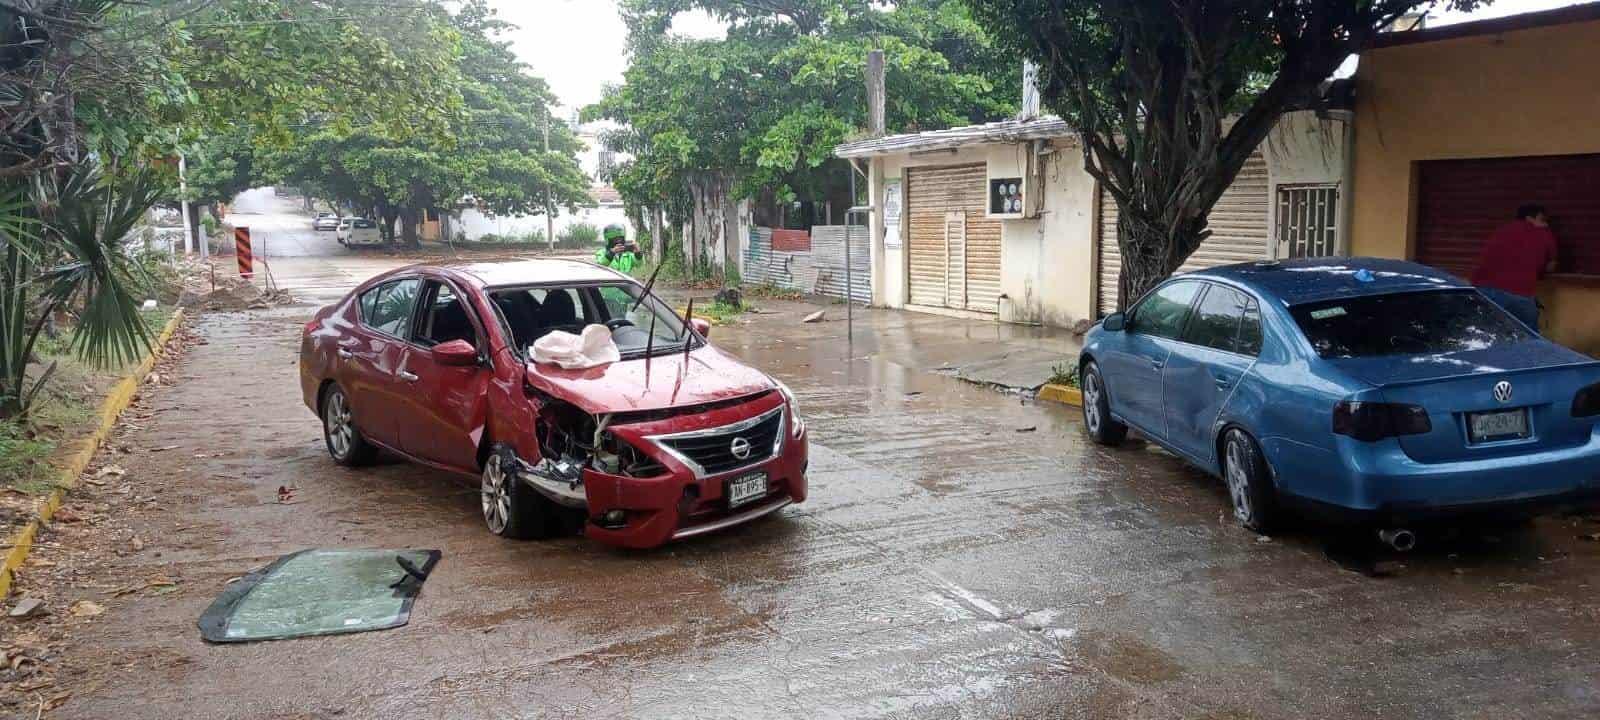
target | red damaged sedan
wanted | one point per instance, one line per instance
(435, 363)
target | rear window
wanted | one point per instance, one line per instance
(1406, 324)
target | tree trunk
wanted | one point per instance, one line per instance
(1149, 255)
(387, 215)
(658, 238)
(408, 228)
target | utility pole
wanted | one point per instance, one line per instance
(549, 198)
(875, 95)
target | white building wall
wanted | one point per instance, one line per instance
(1305, 149)
(1048, 263)
(1044, 263)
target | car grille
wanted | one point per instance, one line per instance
(710, 452)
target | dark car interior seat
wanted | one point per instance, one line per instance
(521, 311)
(449, 322)
(558, 312)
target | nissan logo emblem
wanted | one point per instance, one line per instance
(741, 448)
(1502, 391)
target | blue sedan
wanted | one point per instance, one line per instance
(1378, 391)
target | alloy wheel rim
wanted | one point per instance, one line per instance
(1238, 481)
(496, 501)
(341, 434)
(1091, 401)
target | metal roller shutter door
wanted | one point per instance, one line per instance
(965, 274)
(1461, 202)
(1238, 225)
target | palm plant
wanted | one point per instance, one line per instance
(61, 241)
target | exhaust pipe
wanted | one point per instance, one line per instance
(1400, 539)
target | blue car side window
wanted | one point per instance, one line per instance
(1165, 311)
(1250, 330)
(1217, 318)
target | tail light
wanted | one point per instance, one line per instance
(1374, 421)
(1587, 402)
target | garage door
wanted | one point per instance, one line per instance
(1238, 230)
(1461, 202)
(952, 250)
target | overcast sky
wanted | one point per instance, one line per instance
(578, 45)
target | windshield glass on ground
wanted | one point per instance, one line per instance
(1406, 324)
(531, 313)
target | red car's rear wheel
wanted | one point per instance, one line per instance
(345, 442)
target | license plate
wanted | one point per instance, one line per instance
(1502, 425)
(745, 488)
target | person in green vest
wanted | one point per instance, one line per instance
(618, 254)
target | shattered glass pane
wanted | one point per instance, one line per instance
(318, 592)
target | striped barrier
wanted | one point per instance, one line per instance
(241, 248)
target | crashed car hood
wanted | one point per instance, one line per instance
(658, 383)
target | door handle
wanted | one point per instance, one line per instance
(408, 377)
(1157, 364)
(344, 353)
(1224, 382)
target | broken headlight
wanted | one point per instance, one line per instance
(796, 425)
(618, 455)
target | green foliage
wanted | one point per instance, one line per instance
(493, 150)
(578, 235)
(769, 102)
(24, 460)
(1064, 374)
(61, 249)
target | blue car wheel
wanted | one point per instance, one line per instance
(1097, 409)
(1249, 481)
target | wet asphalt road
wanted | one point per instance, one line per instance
(945, 565)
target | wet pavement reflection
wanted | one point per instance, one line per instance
(963, 553)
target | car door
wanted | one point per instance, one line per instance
(1132, 371)
(444, 407)
(370, 361)
(1205, 366)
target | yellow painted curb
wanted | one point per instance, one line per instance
(1061, 394)
(18, 545)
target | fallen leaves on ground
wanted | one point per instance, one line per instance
(86, 608)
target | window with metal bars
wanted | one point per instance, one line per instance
(1308, 221)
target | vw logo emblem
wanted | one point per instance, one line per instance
(1502, 391)
(740, 448)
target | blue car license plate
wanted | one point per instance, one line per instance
(1499, 425)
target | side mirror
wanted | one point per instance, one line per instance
(702, 326)
(455, 353)
(1115, 322)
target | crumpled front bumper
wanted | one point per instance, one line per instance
(679, 505)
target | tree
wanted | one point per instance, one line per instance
(758, 113)
(1169, 99)
(492, 149)
(62, 249)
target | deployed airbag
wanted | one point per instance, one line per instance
(320, 592)
(575, 352)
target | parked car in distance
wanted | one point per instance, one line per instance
(1374, 391)
(325, 221)
(435, 363)
(358, 231)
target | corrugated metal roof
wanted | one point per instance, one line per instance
(1005, 131)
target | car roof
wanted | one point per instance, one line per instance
(528, 271)
(1317, 279)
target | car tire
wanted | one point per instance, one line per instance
(512, 509)
(1249, 482)
(346, 444)
(1097, 408)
